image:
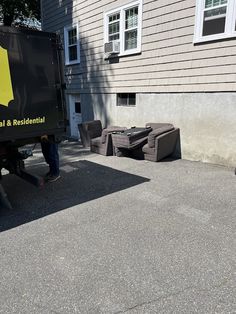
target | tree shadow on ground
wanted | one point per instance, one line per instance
(82, 181)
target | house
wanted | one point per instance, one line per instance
(128, 62)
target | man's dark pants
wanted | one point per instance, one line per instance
(50, 153)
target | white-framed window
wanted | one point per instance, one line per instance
(72, 46)
(124, 25)
(215, 19)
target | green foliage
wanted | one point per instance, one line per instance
(11, 10)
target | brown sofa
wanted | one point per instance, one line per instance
(161, 142)
(100, 139)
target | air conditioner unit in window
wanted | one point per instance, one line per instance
(113, 47)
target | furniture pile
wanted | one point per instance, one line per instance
(154, 141)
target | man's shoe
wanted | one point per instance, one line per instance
(53, 178)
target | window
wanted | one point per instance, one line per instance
(215, 19)
(124, 25)
(126, 99)
(77, 107)
(72, 49)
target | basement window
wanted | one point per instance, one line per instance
(126, 99)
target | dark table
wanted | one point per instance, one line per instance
(129, 143)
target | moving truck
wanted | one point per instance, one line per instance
(31, 96)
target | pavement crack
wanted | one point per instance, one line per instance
(219, 285)
(155, 300)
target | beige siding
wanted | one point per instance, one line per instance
(169, 61)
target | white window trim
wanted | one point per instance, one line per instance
(121, 10)
(229, 24)
(66, 44)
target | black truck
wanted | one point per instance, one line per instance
(31, 96)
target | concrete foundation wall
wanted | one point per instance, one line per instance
(207, 121)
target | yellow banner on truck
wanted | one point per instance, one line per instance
(6, 92)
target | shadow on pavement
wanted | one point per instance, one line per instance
(81, 182)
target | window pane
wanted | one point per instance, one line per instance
(77, 107)
(132, 99)
(214, 21)
(72, 53)
(215, 13)
(114, 37)
(122, 99)
(131, 18)
(131, 39)
(114, 17)
(214, 3)
(114, 28)
(72, 36)
(208, 3)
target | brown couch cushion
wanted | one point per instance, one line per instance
(96, 141)
(156, 132)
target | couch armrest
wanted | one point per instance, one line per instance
(157, 132)
(157, 125)
(166, 143)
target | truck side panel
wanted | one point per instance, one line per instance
(31, 102)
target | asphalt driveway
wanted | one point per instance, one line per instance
(117, 235)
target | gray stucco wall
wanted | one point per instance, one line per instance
(207, 121)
